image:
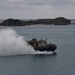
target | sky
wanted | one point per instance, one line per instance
(35, 9)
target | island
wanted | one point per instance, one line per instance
(17, 22)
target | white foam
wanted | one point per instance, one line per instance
(43, 52)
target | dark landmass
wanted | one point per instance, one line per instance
(17, 22)
(12, 22)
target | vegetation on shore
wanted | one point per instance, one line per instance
(17, 22)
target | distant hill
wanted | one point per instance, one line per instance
(17, 22)
(12, 22)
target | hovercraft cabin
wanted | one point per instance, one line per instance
(37, 43)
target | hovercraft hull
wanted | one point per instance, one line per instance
(46, 48)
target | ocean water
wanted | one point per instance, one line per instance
(62, 63)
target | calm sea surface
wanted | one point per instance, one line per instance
(63, 63)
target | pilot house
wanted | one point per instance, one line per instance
(37, 43)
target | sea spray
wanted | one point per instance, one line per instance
(13, 44)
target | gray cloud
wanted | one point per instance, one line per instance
(53, 3)
(37, 8)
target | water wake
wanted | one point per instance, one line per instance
(13, 44)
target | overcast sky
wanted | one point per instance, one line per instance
(34, 9)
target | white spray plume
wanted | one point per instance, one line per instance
(13, 44)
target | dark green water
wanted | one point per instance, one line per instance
(63, 63)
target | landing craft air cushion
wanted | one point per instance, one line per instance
(41, 45)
